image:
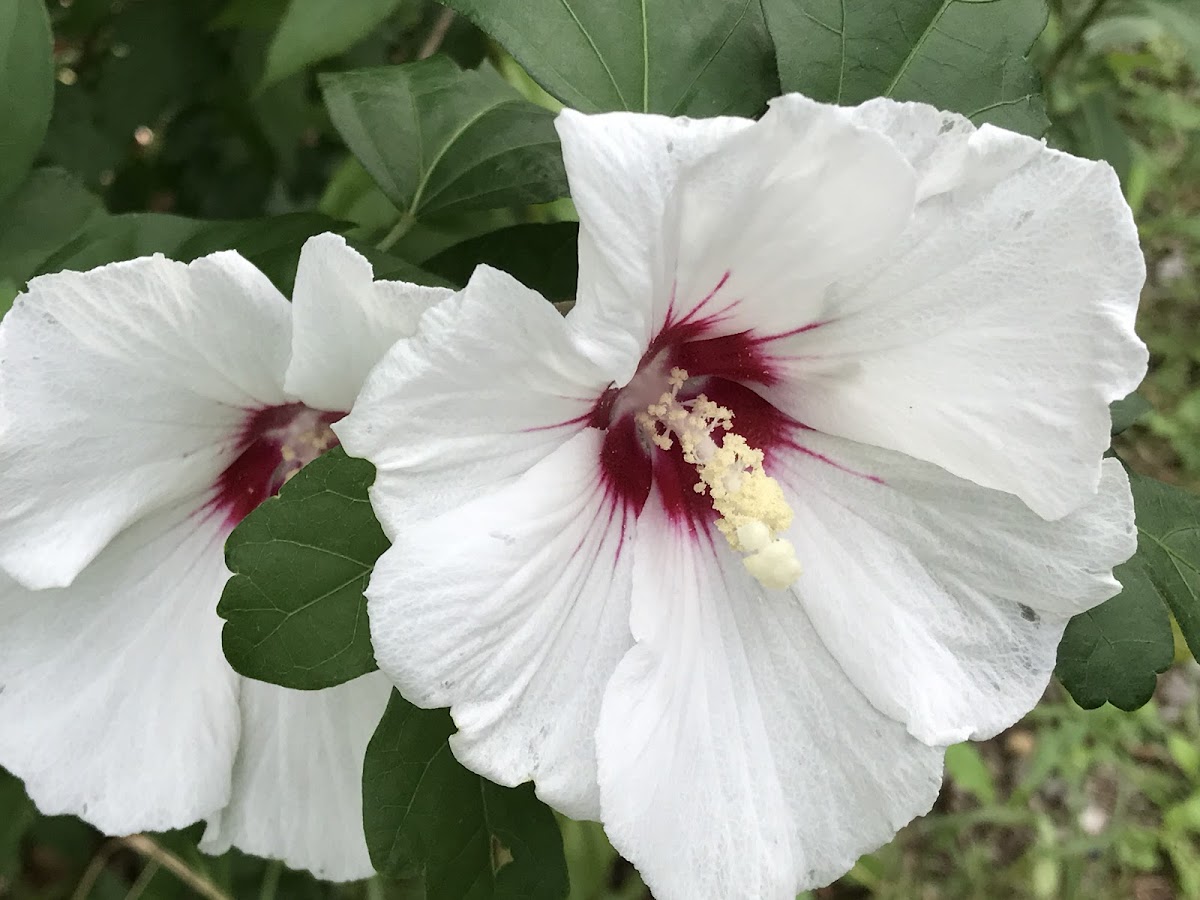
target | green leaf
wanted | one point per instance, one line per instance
(26, 87)
(259, 15)
(294, 609)
(439, 140)
(1168, 520)
(313, 30)
(1096, 132)
(18, 815)
(8, 293)
(391, 268)
(967, 56)
(273, 244)
(677, 57)
(52, 208)
(1128, 410)
(424, 814)
(1113, 652)
(542, 257)
(1180, 20)
(966, 767)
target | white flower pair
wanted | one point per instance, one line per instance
(803, 490)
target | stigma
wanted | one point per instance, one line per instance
(751, 508)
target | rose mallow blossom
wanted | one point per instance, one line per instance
(146, 407)
(803, 490)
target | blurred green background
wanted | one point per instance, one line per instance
(159, 107)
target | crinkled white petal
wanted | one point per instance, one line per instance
(942, 601)
(116, 704)
(491, 384)
(345, 321)
(122, 392)
(297, 782)
(749, 223)
(764, 228)
(623, 169)
(512, 609)
(736, 759)
(991, 338)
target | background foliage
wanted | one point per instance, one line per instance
(424, 133)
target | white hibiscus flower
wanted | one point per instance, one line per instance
(804, 489)
(147, 407)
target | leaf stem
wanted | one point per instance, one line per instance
(405, 222)
(1073, 37)
(168, 860)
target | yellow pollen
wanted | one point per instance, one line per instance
(304, 446)
(751, 508)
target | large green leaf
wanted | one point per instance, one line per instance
(294, 609)
(1113, 652)
(312, 30)
(26, 87)
(49, 209)
(677, 57)
(962, 55)
(425, 815)
(440, 140)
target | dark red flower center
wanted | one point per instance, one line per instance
(275, 443)
(727, 369)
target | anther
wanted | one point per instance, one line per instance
(751, 507)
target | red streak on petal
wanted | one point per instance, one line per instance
(795, 331)
(821, 457)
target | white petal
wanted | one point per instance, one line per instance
(736, 760)
(297, 784)
(122, 390)
(745, 223)
(944, 602)
(781, 212)
(116, 703)
(623, 169)
(345, 321)
(490, 385)
(991, 338)
(513, 610)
